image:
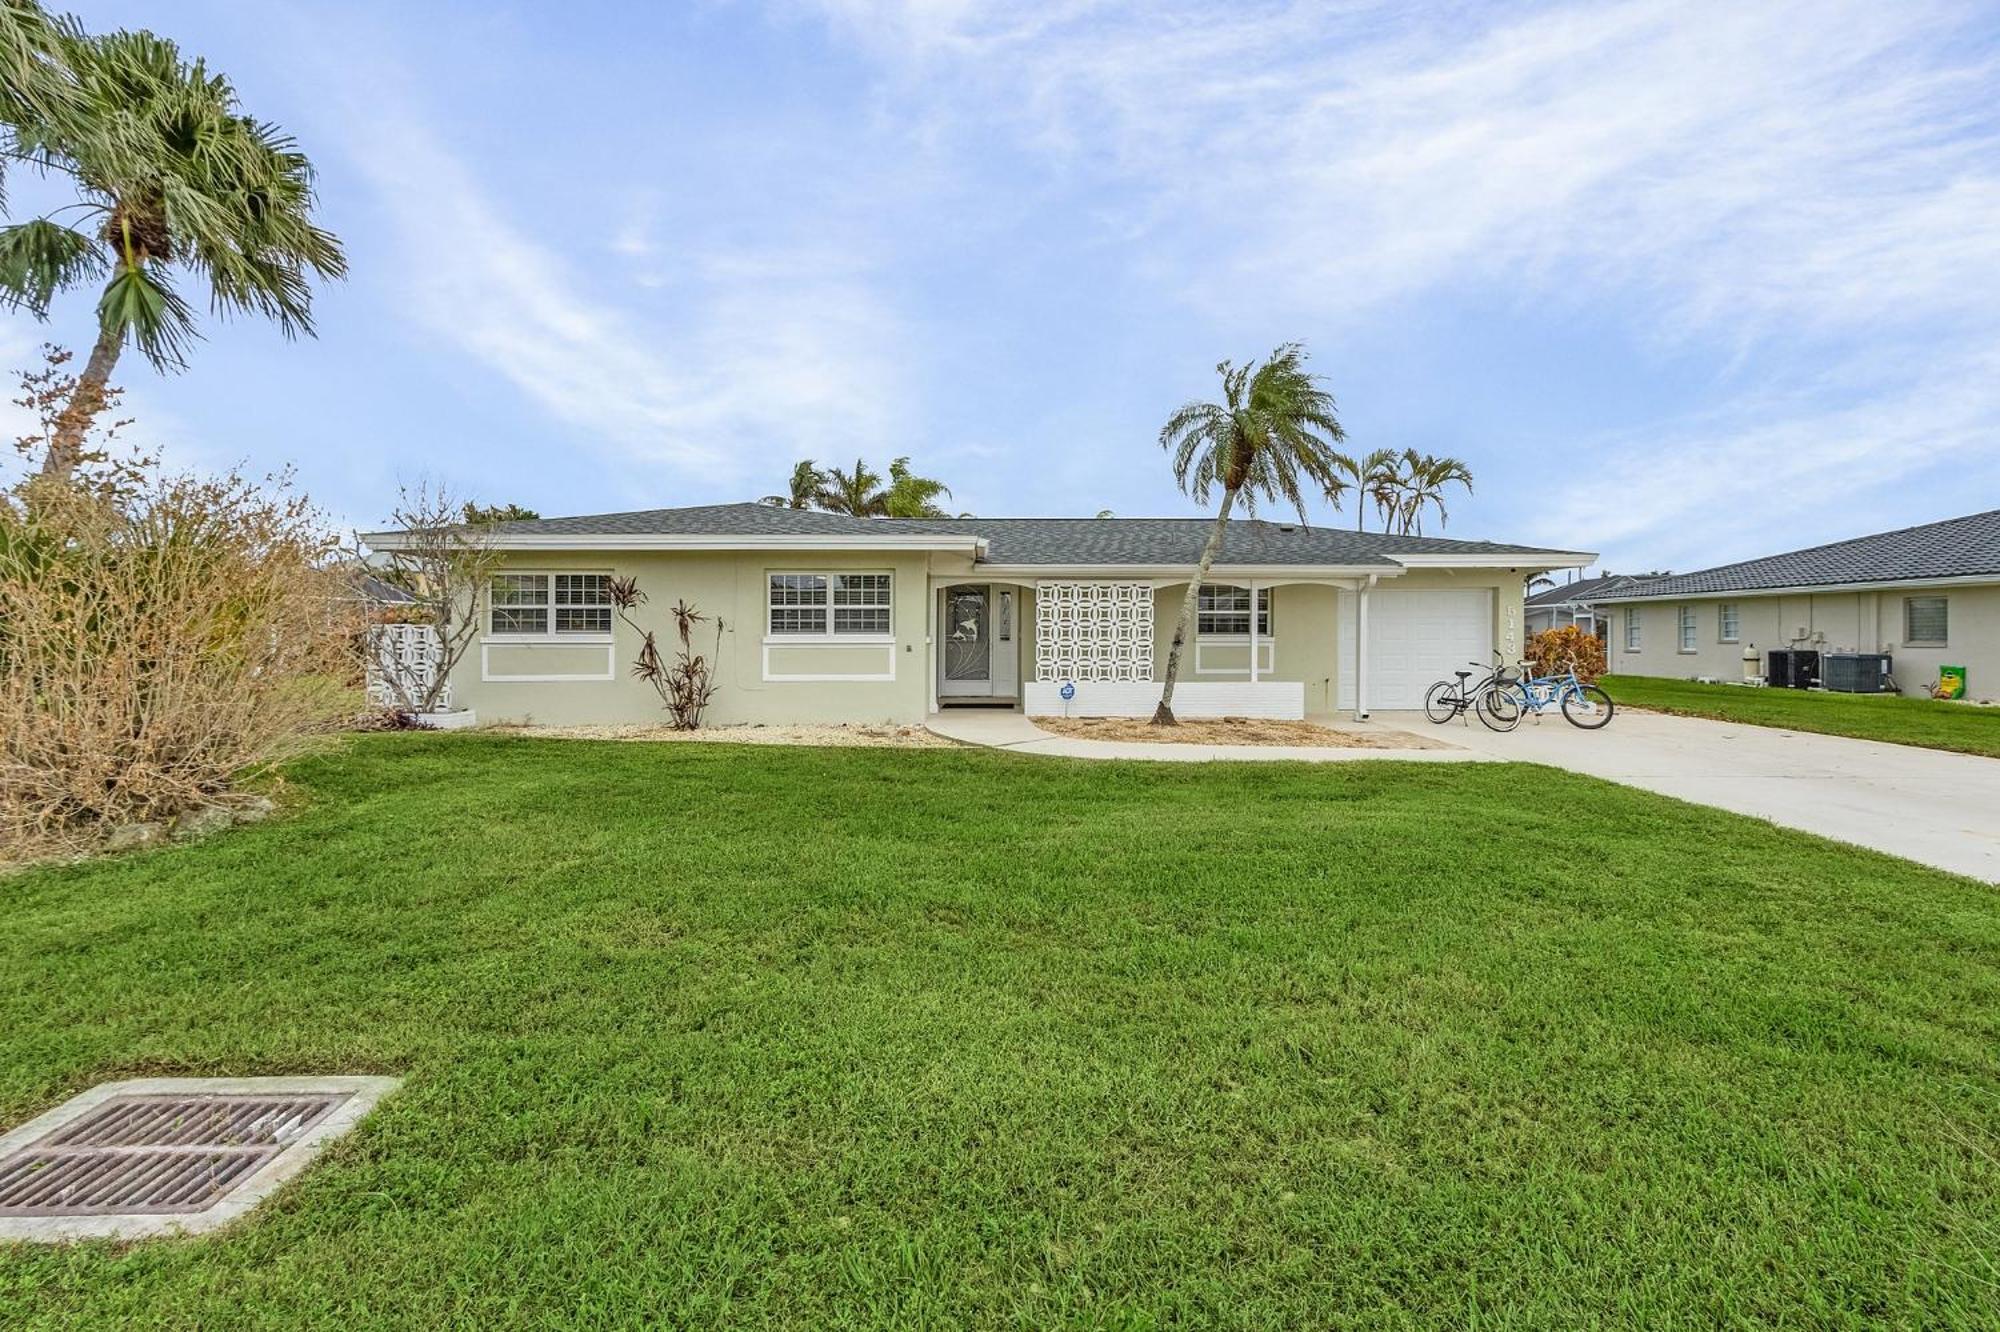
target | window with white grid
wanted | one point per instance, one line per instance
(831, 605)
(550, 603)
(1687, 628)
(1728, 622)
(1221, 611)
(1631, 628)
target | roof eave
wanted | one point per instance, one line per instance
(594, 541)
(1803, 589)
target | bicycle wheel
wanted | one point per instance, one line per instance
(1500, 709)
(1441, 703)
(1588, 707)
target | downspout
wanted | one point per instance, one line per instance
(1361, 649)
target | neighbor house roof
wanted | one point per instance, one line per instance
(1580, 592)
(1967, 547)
(1012, 542)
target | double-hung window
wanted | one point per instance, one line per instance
(1925, 621)
(1631, 628)
(550, 604)
(1687, 628)
(1222, 611)
(1728, 622)
(830, 605)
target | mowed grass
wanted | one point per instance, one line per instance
(715, 1037)
(1927, 723)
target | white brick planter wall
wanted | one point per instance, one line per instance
(1281, 700)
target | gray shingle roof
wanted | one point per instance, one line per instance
(1580, 591)
(1035, 541)
(1965, 547)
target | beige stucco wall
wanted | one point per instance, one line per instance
(1824, 621)
(733, 584)
(730, 584)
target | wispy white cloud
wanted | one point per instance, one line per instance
(1800, 191)
(716, 365)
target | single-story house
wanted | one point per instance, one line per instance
(1928, 596)
(828, 618)
(1571, 603)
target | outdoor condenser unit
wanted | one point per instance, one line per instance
(1791, 668)
(1856, 672)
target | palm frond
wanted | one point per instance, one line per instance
(40, 258)
(139, 303)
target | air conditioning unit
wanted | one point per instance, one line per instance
(1857, 672)
(1791, 668)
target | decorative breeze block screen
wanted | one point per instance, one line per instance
(1093, 631)
(409, 652)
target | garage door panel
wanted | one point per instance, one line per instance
(1415, 637)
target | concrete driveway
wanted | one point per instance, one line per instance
(1929, 806)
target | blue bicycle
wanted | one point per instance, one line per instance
(1581, 705)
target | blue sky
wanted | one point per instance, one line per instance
(1682, 282)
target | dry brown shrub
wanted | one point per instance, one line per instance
(1569, 648)
(160, 638)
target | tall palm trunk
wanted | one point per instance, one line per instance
(1164, 714)
(73, 423)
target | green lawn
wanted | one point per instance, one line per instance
(1902, 721)
(717, 1037)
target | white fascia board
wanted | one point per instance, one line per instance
(1525, 559)
(1809, 589)
(587, 542)
(1177, 572)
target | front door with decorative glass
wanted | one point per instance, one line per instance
(977, 660)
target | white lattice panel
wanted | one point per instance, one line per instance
(1093, 631)
(411, 654)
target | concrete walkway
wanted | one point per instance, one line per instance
(998, 728)
(1923, 804)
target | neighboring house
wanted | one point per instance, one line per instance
(838, 619)
(1929, 596)
(378, 594)
(1571, 603)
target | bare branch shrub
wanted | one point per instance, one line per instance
(159, 637)
(687, 685)
(444, 562)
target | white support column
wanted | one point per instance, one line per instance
(931, 645)
(1361, 650)
(1253, 631)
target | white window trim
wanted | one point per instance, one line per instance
(1265, 617)
(1632, 635)
(1944, 642)
(1722, 611)
(1687, 631)
(550, 635)
(826, 637)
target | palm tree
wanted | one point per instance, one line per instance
(1426, 478)
(807, 483)
(913, 496)
(35, 83)
(1364, 475)
(169, 175)
(1274, 427)
(858, 493)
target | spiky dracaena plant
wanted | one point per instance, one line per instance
(1273, 432)
(170, 176)
(686, 685)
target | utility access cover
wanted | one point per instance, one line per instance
(161, 1155)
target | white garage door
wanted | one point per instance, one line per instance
(1414, 639)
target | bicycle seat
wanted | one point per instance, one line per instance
(1463, 675)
